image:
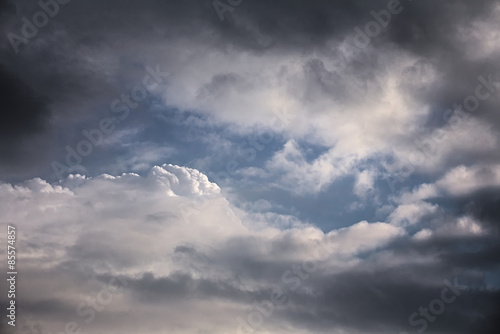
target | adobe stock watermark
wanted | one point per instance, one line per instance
(252, 146)
(291, 279)
(29, 29)
(26, 326)
(121, 107)
(436, 306)
(221, 7)
(372, 29)
(428, 147)
(87, 309)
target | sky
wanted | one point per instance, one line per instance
(250, 166)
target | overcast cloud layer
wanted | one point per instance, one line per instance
(251, 166)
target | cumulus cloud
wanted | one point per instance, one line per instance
(171, 232)
(178, 245)
(316, 125)
(463, 180)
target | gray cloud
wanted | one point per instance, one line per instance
(193, 261)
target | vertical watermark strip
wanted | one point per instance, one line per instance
(12, 274)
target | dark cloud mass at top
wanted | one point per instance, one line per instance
(243, 166)
(24, 112)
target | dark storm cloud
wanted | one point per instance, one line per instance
(386, 299)
(50, 307)
(379, 298)
(453, 253)
(484, 205)
(24, 126)
(93, 51)
(23, 111)
(368, 298)
(372, 297)
(56, 68)
(431, 30)
(151, 289)
(6, 5)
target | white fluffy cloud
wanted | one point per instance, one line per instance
(409, 214)
(318, 99)
(463, 180)
(169, 226)
(459, 181)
